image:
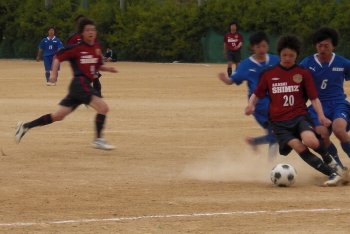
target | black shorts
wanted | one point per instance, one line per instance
(80, 92)
(234, 56)
(291, 129)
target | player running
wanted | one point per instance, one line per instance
(288, 86)
(329, 72)
(48, 47)
(86, 59)
(75, 39)
(249, 70)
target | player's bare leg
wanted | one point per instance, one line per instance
(102, 109)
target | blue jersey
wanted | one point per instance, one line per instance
(249, 70)
(329, 77)
(50, 46)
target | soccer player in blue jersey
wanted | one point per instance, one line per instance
(329, 72)
(48, 47)
(249, 70)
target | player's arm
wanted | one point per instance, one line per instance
(225, 50)
(251, 104)
(224, 78)
(318, 108)
(108, 69)
(54, 70)
(38, 56)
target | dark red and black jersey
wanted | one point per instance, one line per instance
(85, 59)
(74, 39)
(288, 89)
(233, 41)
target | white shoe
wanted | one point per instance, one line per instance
(100, 143)
(334, 180)
(20, 131)
(50, 83)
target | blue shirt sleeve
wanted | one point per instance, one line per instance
(239, 75)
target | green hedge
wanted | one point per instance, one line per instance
(166, 30)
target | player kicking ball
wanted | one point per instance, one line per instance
(288, 87)
(86, 60)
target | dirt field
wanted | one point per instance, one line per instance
(181, 164)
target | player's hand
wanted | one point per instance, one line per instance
(113, 70)
(325, 121)
(222, 76)
(249, 110)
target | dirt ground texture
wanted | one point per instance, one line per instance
(181, 164)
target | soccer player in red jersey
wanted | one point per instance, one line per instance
(288, 87)
(233, 41)
(86, 59)
(75, 39)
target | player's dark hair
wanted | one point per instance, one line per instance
(78, 18)
(289, 41)
(258, 37)
(233, 23)
(51, 27)
(83, 22)
(325, 33)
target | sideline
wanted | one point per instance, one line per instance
(132, 218)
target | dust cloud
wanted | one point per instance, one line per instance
(247, 166)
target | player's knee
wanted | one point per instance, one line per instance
(57, 117)
(338, 131)
(104, 110)
(312, 143)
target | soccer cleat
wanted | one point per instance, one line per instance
(100, 143)
(20, 131)
(50, 83)
(334, 180)
(342, 171)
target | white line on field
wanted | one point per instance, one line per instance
(131, 218)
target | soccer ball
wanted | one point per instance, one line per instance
(283, 175)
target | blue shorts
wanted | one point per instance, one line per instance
(332, 110)
(261, 113)
(48, 62)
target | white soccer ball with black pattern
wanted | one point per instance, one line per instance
(283, 175)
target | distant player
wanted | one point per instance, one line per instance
(329, 72)
(75, 39)
(86, 59)
(48, 47)
(288, 87)
(249, 70)
(233, 41)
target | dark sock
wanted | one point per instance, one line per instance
(47, 75)
(99, 121)
(327, 158)
(346, 147)
(334, 152)
(41, 121)
(316, 162)
(229, 71)
(261, 140)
